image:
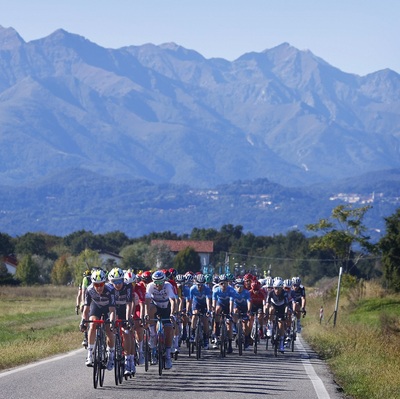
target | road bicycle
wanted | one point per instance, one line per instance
(146, 346)
(293, 332)
(240, 334)
(119, 363)
(275, 336)
(100, 357)
(159, 351)
(198, 343)
(255, 332)
(223, 334)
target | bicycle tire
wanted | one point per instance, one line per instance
(117, 358)
(294, 327)
(256, 334)
(160, 347)
(146, 349)
(223, 338)
(276, 338)
(199, 337)
(97, 363)
(240, 337)
(104, 357)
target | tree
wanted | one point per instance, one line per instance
(159, 257)
(187, 260)
(61, 272)
(27, 271)
(134, 256)
(389, 245)
(31, 243)
(342, 233)
(87, 259)
(6, 244)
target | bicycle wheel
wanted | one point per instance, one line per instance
(146, 349)
(256, 334)
(199, 339)
(104, 357)
(223, 338)
(240, 337)
(160, 350)
(294, 327)
(117, 355)
(97, 363)
(275, 337)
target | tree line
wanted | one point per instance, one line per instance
(338, 241)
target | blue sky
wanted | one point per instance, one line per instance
(356, 36)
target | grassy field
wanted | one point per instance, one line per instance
(363, 350)
(36, 322)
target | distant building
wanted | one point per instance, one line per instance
(110, 258)
(203, 248)
(11, 263)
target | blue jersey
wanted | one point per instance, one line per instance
(199, 297)
(240, 299)
(223, 297)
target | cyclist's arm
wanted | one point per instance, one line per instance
(111, 314)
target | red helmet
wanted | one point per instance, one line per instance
(255, 285)
(248, 276)
(173, 272)
(146, 276)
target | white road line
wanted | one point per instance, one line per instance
(28, 366)
(319, 386)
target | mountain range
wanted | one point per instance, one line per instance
(152, 133)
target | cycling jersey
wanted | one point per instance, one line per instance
(221, 297)
(298, 294)
(199, 298)
(240, 300)
(160, 298)
(106, 298)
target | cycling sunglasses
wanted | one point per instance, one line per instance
(158, 282)
(119, 281)
(99, 284)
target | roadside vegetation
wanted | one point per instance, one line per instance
(36, 322)
(363, 349)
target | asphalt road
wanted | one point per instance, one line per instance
(299, 374)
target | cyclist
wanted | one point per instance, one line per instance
(200, 303)
(99, 302)
(123, 305)
(181, 281)
(161, 301)
(258, 297)
(287, 286)
(277, 302)
(171, 276)
(240, 304)
(80, 299)
(221, 296)
(138, 296)
(248, 279)
(298, 294)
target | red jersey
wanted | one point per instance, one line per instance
(257, 297)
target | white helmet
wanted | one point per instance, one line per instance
(129, 277)
(278, 282)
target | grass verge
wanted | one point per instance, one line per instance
(36, 322)
(363, 349)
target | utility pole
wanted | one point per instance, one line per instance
(337, 296)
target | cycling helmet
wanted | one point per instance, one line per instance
(189, 272)
(269, 282)
(180, 279)
(99, 276)
(146, 276)
(278, 282)
(200, 279)
(239, 281)
(248, 276)
(189, 278)
(216, 279)
(255, 285)
(115, 274)
(230, 276)
(87, 273)
(296, 281)
(129, 277)
(287, 283)
(158, 276)
(172, 272)
(209, 278)
(223, 278)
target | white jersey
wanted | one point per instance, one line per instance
(160, 298)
